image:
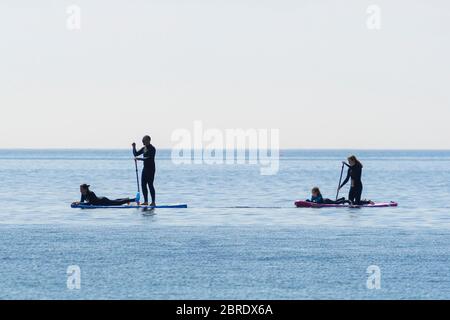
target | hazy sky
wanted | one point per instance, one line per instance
(311, 69)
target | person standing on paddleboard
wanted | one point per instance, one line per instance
(148, 153)
(354, 174)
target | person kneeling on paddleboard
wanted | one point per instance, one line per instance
(148, 153)
(87, 196)
(354, 173)
(316, 197)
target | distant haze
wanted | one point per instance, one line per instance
(312, 69)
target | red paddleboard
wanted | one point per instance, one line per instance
(306, 204)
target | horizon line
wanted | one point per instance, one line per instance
(193, 149)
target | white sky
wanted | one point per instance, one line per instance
(309, 68)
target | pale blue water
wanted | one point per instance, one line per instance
(214, 251)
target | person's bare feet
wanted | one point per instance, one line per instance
(152, 204)
(144, 204)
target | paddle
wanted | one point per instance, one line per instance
(340, 180)
(138, 195)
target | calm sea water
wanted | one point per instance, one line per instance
(213, 250)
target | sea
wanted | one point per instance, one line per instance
(241, 236)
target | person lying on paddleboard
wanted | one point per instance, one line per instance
(148, 153)
(316, 197)
(87, 196)
(354, 174)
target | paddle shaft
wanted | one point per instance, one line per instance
(340, 180)
(137, 176)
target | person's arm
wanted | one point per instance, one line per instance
(150, 154)
(137, 153)
(83, 198)
(346, 179)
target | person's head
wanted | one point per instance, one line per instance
(352, 160)
(315, 192)
(146, 140)
(84, 188)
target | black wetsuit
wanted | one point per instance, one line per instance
(148, 173)
(338, 201)
(354, 173)
(320, 200)
(91, 198)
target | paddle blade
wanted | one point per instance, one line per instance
(138, 197)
